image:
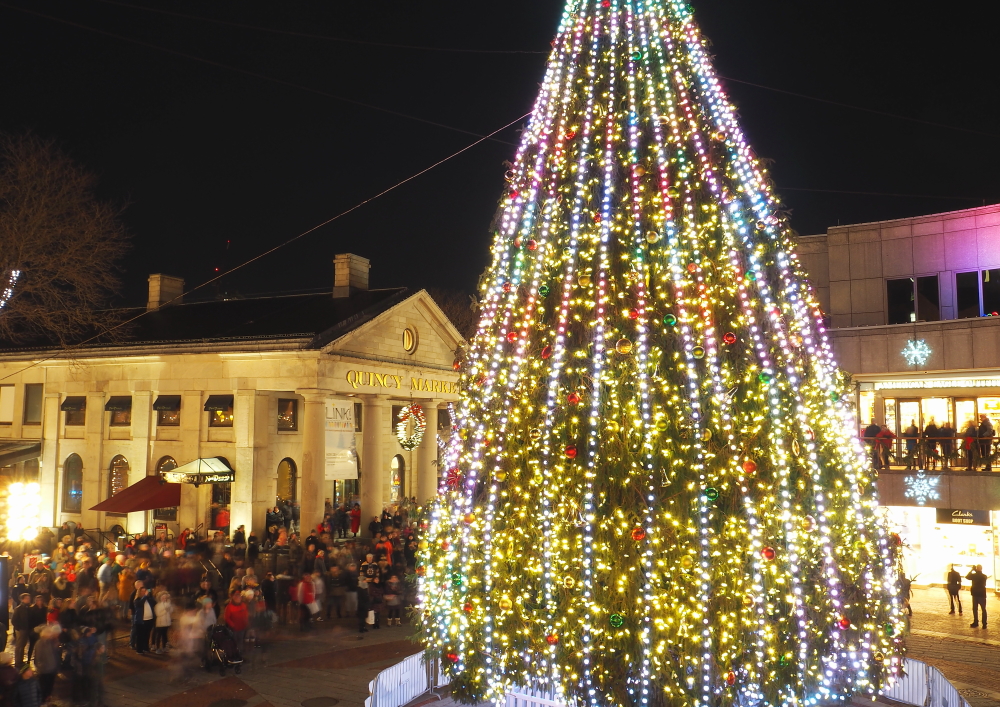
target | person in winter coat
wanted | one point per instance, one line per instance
(376, 599)
(363, 604)
(27, 692)
(883, 441)
(355, 515)
(164, 617)
(319, 591)
(237, 618)
(336, 584)
(954, 587)
(143, 608)
(985, 434)
(305, 595)
(970, 444)
(978, 592)
(47, 655)
(910, 436)
(394, 600)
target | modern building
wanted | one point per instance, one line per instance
(913, 307)
(297, 396)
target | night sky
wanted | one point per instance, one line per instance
(219, 166)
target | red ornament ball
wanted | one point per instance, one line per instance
(749, 467)
(844, 623)
(507, 287)
(730, 678)
(532, 245)
(546, 352)
(512, 336)
(605, 3)
(552, 639)
(456, 364)
(729, 338)
(467, 608)
(573, 399)
(768, 553)
(638, 534)
(481, 380)
(896, 540)
(597, 218)
(514, 193)
(445, 545)
(571, 134)
(571, 451)
(633, 314)
(517, 242)
(421, 571)
(692, 267)
(452, 657)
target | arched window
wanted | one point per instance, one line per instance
(117, 476)
(72, 490)
(398, 468)
(287, 486)
(164, 465)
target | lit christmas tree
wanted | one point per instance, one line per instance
(654, 495)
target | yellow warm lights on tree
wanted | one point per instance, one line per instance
(654, 495)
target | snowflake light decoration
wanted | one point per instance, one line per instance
(916, 352)
(921, 487)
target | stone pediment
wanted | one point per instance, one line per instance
(414, 332)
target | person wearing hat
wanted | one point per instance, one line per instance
(23, 628)
(27, 692)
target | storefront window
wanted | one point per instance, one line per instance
(965, 412)
(163, 466)
(890, 415)
(117, 477)
(991, 408)
(288, 418)
(72, 492)
(286, 483)
(936, 410)
(219, 510)
(398, 468)
(967, 295)
(866, 407)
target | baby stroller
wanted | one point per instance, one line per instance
(222, 649)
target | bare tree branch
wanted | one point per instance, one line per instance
(64, 242)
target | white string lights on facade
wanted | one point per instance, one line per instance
(651, 496)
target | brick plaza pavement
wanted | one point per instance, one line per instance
(329, 665)
(968, 657)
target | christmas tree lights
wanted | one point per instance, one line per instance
(654, 494)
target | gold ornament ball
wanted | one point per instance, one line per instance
(687, 562)
(506, 604)
(569, 582)
(747, 600)
(706, 435)
(624, 347)
(652, 237)
(500, 476)
(584, 280)
(661, 425)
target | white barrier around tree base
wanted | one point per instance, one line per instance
(396, 686)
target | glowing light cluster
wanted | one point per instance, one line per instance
(916, 352)
(8, 291)
(22, 515)
(653, 492)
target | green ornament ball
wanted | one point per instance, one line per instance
(889, 630)
(616, 620)
(636, 55)
(456, 580)
(670, 320)
(544, 290)
(712, 494)
(764, 377)
(752, 276)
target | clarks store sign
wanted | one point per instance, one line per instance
(371, 379)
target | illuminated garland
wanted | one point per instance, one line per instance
(8, 291)
(654, 495)
(411, 442)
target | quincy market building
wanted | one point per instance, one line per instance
(932, 279)
(297, 396)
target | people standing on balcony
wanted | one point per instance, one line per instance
(931, 435)
(910, 435)
(947, 436)
(978, 592)
(869, 434)
(954, 587)
(970, 443)
(884, 443)
(986, 442)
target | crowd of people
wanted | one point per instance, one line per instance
(934, 445)
(178, 596)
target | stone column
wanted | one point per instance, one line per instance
(313, 473)
(142, 418)
(245, 506)
(372, 468)
(427, 471)
(50, 467)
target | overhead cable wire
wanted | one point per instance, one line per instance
(310, 35)
(278, 247)
(247, 72)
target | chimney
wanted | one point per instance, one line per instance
(350, 274)
(163, 289)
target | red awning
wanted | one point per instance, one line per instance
(143, 495)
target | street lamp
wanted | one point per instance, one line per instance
(22, 515)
